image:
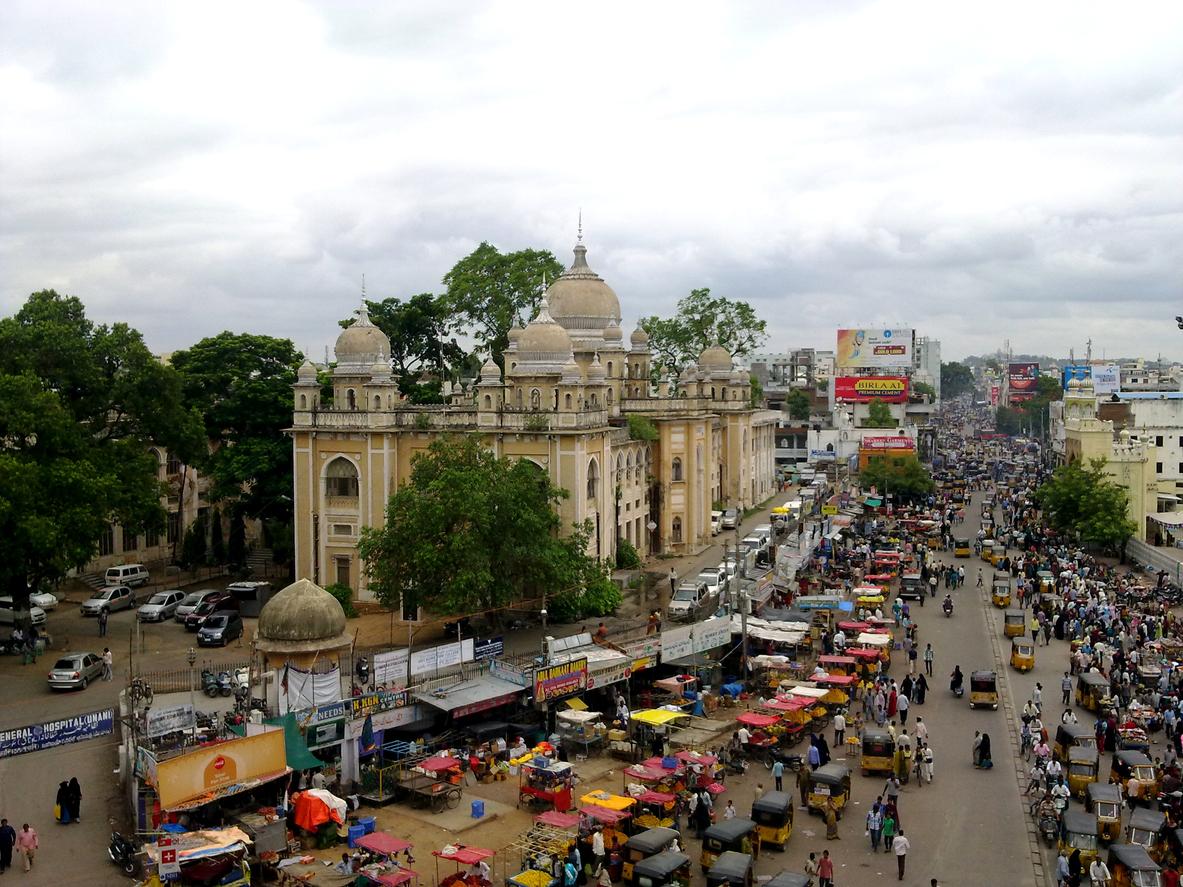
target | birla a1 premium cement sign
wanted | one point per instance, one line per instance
(874, 348)
(864, 389)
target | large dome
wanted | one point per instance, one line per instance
(543, 345)
(581, 301)
(303, 614)
(362, 344)
(715, 359)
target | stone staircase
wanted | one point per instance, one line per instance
(260, 560)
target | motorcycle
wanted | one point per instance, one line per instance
(1049, 827)
(225, 687)
(948, 608)
(209, 683)
(363, 671)
(124, 853)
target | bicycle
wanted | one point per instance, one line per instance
(140, 692)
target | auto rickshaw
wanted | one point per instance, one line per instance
(1078, 831)
(1047, 581)
(878, 752)
(1103, 800)
(1082, 769)
(663, 870)
(1127, 763)
(1131, 866)
(773, 815)
(1022, 654)
(644, 844)
(1147, 828)
(1091, 689)
(961, 548)
(826, 782)
(1000, 593)
(1072, 736)
(737, 834)
(731, 869)
(983, 689)
(1014, 623)
(988, 554)
(790, 879)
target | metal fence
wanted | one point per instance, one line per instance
(176, 680)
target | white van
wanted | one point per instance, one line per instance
(131, 575)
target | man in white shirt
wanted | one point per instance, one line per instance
(598, 848)
(839, 730)
(901, 845)
(743, 735)
(1099, 873)
(921, 730)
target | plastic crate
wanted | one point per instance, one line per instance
(355, 832)
(368, 823)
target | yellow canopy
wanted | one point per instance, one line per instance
(576, 704)
(657, 717)
(607, 800)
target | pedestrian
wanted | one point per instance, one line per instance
(875, 824)
(778, 774)
(1037, 697)
(7, 842)
(825, 870)
(729, 810)
(61, 803)
(839, 723)
(901, 845)
(912, 660)
(811, 867)
(1066, 689)
(830, 812)
(803, 786)
(902, 706)
(26, 845)
(598, 849)
(673, 580)
(888, 828)
(928, 657)
(1061, 870)
(103, 622)
(108, 664)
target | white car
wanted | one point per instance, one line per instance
(8, 615)
(716, 522)
(713, 578)
(160, 606)
(43, 599)
(687, 598)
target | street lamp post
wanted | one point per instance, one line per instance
(191, 658)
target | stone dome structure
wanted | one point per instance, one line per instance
(572, 375)
(543, 345)
(639, 338)
(715, 359)
(582, 302)
(490, 372)
(596, 372)
(302, 618)
(613, 333)
(307, 371)
(361, 345)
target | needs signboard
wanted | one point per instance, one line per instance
(874, 348)
(208, 771)
(864, 389)
(1022, 381)
(553, 682)
(50, 734)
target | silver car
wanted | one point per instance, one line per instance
(192, 601)
(73, 671)
(160, 606)
(8, 616)
(111, 598)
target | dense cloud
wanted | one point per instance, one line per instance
(980, 172)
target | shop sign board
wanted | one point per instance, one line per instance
(643, 662)
(331, 711)
(553, 682)
(208, 770)
(864, 389)
(51, 734)
(712, 633)
(889, 442)
(874, 348)
(488, 648)
(168, 869)
(677, 643)
(371, 703)
(441, 657)
(1022, 381)
(325, 733)
(829, 510)
(170, 720)
(486, 704)
(602, 677)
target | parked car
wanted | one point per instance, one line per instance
(729, 520)
(131, 575)
(714, 578)
(209, 606)
(686, 600)
(43, 599)
(220, 628)
(8, 614)
(192, 600)
(112, 598)
(716, 522)
(160, 606)
(729, 566)
(73, 671)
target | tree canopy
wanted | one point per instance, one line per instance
(799, 405)
(488, 292)
(702, 320)
(1029, 416)
(471, 531)
(956, 379)
(903, 476)
(879, 415)
(1084, 503)
(81, 407)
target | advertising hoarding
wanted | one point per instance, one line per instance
(864, 389)
(874, 348)
(168, 720)
(51, 734)
(1077, 371)
(1106, 379)
(208, 770)
(892, 442)
(556, 681)
(1022, 381)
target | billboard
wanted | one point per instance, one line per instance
(213, 768)
(1106, 378)
(553, 682)
(874, 348)
(51, 734)
(1077, 371)
(1022, 381)
(864, 389)
(893, 442)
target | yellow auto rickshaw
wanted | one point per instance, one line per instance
(1082, 769)
(668, 869)
(1022, 654)
(773, 814)
(1069, 736)
(1131, 866)
(983, 689)
(1103, 800)
(961, 548)
(1000, 593)
(1078, 831)
(1092, 690)
(988, 552)
(740, 835)
(878, 752)
(1014, 623)
(1128, 763)
(826, 782)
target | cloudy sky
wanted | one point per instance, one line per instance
(980, 171)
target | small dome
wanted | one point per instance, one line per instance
(580, 300)
(362, 344)
(301, 613)
(572, 375)
(740, 377)
(715, 358)
(515, 333)
(595, 372)
(380, 369)
(689, 373)
(490, 371)
(307, 371)
(613, 333)
(639, 337)
(543, 345)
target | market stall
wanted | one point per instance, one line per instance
(433, 783)
(537, 857)
(380, 863)
(610, 813)
(479, 873)
(546, 782)
(206, 856)
(580, 729)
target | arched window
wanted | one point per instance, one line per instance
(535, 399)
(676, 530)
(630, 467)
(303, 401)
(609, 369)
(377, 402)
(712, 392)
(350, 399)
(341, 478)
(488, 402)
(595, 401)
(608, 397)
(676, 469)
(593, 480)
(619, 468)
(567, 401)
(554, 399)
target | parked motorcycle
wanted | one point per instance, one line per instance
(124, 853)
(363, 671)
(225, 687)
(209, 683)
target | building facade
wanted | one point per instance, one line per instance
(571, 384)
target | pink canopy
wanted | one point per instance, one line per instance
(464, 855)
(755, 719)
(380, 842)
(652, 797)
(559, 820)
(603, 814)
(439, 763)
(397, 877)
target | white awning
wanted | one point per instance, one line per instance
(1168, 518)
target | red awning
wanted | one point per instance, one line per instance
(380, 842)
(439, 763)
(652, 797)
(559, 820)
(463, 855)
(755, 719)
(604, 815)
(645, 774)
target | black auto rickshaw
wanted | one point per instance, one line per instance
(826, 782)
(1131, 866)
(773, 815)
(644, 844)
(789, 879)
(740, 835)
(983, 689)
(1147, 828)
(1069, 736)
(1103, 800)
(1092, 690)
(1128, 763)
(878, 751)
(1078, 831)
(731, 869)
(663, 870)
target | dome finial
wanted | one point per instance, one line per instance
(579, 235)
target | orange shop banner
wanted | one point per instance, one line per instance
(864, 389)
(211, 770)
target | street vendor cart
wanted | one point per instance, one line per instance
(433, 783)
(461, 855)
(547, 783)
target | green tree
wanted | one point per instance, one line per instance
(1085, 504)
(241, 384)
(488, 292)
(903, 476)
(236, 548)
(923, 388)
(193, 546)
(799, 405)
(471, 531)
(702, 320)
(217, 541)
(879, 415)
(956, 379)
(80, 407)
(757, 392)
(1007, 420)
(419, 344)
